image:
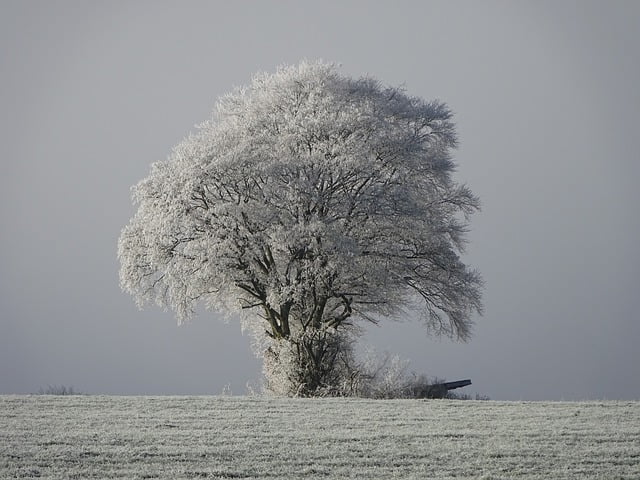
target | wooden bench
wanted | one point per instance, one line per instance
(458, 384)
(439, 390)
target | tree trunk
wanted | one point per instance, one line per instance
(310, 364)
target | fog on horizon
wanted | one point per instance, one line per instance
(547, 106)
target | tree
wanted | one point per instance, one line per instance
(312, 202)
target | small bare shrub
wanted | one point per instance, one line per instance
(58, 390)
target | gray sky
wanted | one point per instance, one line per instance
(547, 102)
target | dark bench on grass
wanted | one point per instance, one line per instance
(454, 385)
(439, 390)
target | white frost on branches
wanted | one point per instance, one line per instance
(313, 199)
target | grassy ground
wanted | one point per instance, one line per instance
(259, 438)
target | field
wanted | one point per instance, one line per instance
(257, 438)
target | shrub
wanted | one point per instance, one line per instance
(58, 390)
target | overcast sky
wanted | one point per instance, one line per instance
(547, 103)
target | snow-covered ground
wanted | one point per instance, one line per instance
(254, 437)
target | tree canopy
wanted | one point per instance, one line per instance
(315, 201)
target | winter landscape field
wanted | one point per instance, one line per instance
(59, 437)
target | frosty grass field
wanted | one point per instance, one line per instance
(255, 437)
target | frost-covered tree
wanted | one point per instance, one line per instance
(312, 202)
